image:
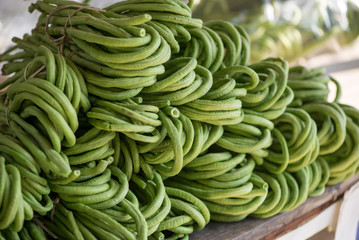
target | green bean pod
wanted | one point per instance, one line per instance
(186, 202)
(300, 135)
(344, 161)
(235, 53)
(328, 115)
(233, 210)
(93, 145)
(308, 85)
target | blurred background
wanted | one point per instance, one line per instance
(292, 28)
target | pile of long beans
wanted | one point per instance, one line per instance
(139, 122)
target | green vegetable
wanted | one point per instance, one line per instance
(138, 122)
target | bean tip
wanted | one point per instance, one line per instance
(175, 112)
(110, 160)
(147, 16)
(142, 32)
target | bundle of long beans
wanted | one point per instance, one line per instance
(137, 122)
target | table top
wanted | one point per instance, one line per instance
(273, 227)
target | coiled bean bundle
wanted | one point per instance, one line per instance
(95, 224)
(210, 165)
(295, 144)
(266, 99)
(100, 192)
(64, 224)
(235, 41)
(182, 140)
(167, 155)
(138, 122)
(121, 54)
(206, 46)
(298, 183)
(103, 191)
(308, 85)
(344, 161)
(30, 231)
(14, 209)
(34, 188)
(286, 191)
(319, 174)
(47, 157)
(252, 136)
(225, 183)
(217, 45)
(233, 210)
(214, 112)
(278, 192)
(271, 95)
(22, 192)
(171, 19)
(187, 214)
(144, 208)
(99, 37)
(93, 145)
(331, 123)
(183, 82)
(59, 72)
(49, 105)
(221, 105)
(43, 105)
(205, 136)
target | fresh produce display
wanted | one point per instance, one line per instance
(137, 121)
